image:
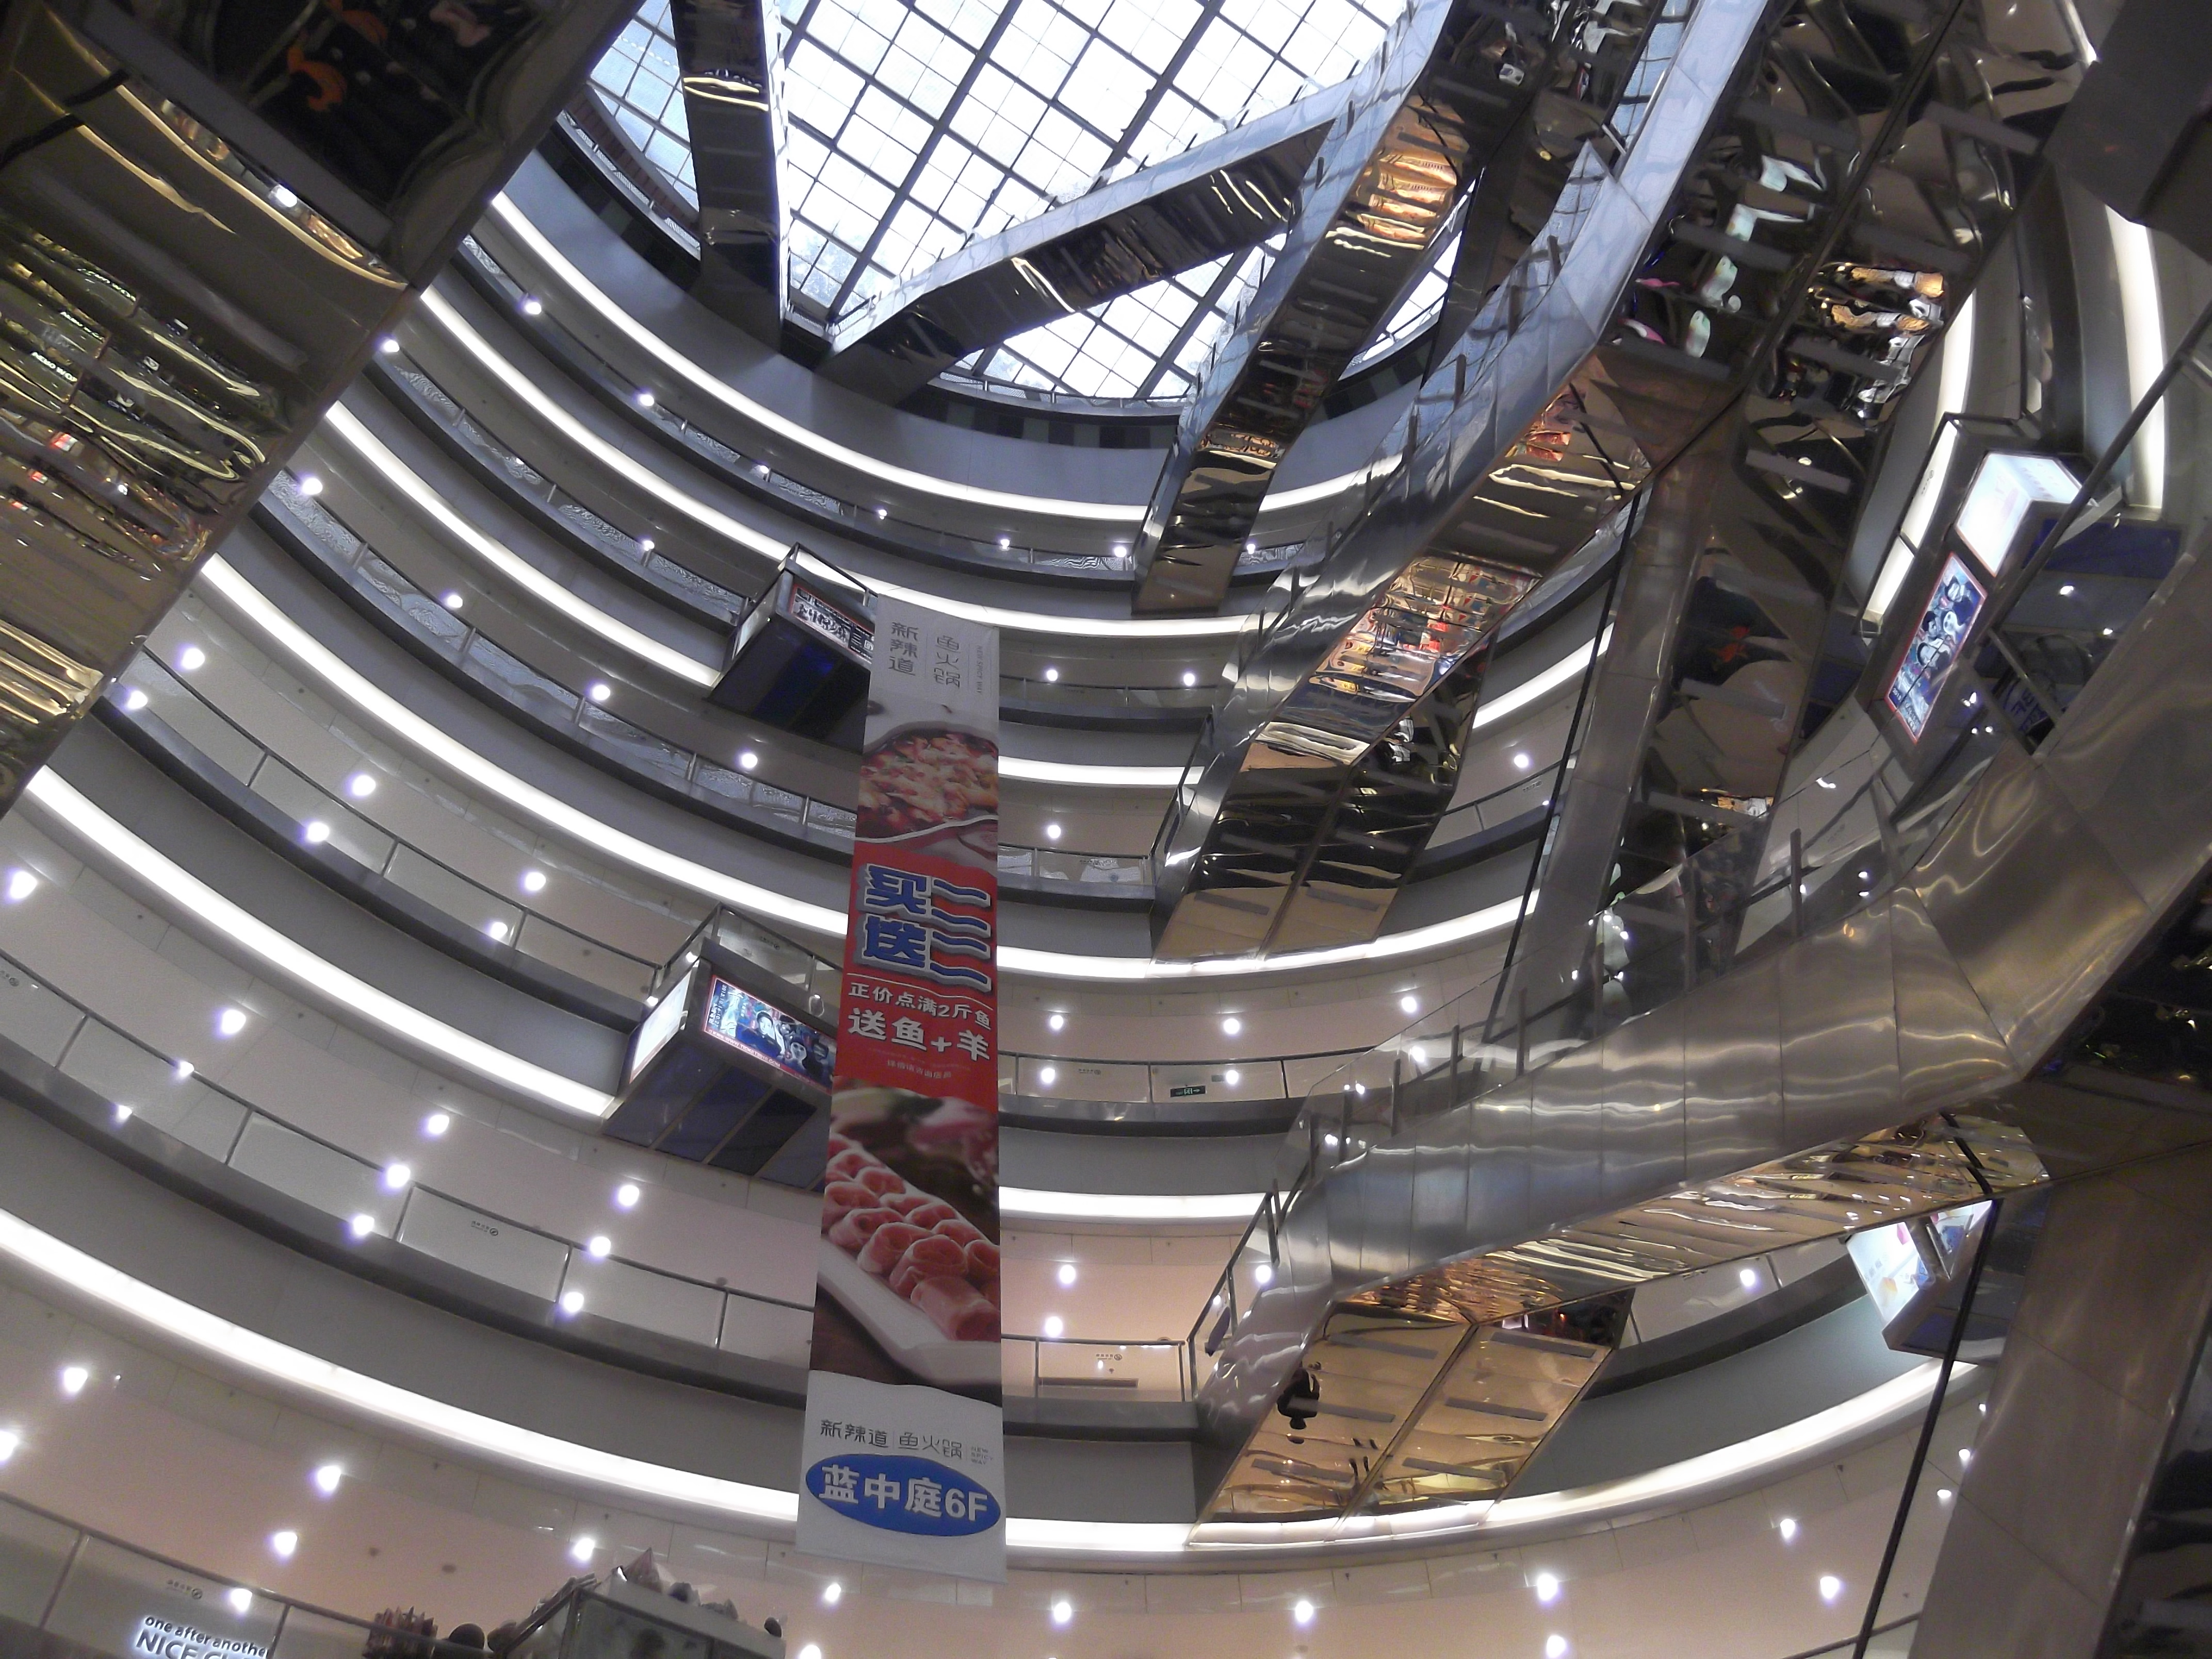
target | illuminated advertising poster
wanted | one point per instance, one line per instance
(903, 1441)
(1934, 648)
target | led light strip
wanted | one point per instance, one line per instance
(713, 518)
(234, 1345)
(1033, 1204)
(62, 800)
(403, 478)
(1128, 514)
(2135, 264)
(446, 752)
(1540, 686)
(509, 564)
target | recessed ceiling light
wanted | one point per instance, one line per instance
(73, 1377)
(1555, 1646)
(533, 306)
(1052, 677)
(454, 600)
(191, 658)
(1230, 1025)
(360, 786)
(1787, 1526)
(387, 345)
(533, 881)
(230, 1022)
(627, 1194)
(1232, 1077)
(2066, 588)
(1006, 542)
(748, 760)
(1521, 762)
(1748, 1277)
(572, 1303)
(121, 1113)
(832, 1593)
(1062, 1610)
(22, 884)
(183, 1069)
(1547, 1587)
(326, 1478)
(1409, 1004)
(1054, 1327)
(396, 1177)
(9, 1440)
(310, 485)
(581, 1550)
(362, 1226)
(1048, 1075)
(883, 513)
(1052, 832)
(134, 699)
(497, 930)
(1264, 1274)
(645, 544)
(241, 1600)
(599, 690)
(645, 400)
(811, 1650)
(599, 1247)
(1066, 1273)
(437, 1123)
(1830, 1587)
(1190, 677)
(1302, 1611)
(284, 1543)
(1056, 1022)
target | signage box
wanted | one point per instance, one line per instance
(727, 1070)
(799, 661)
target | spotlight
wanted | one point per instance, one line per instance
(1049, 1075)
(1063, 1610)
(1066, 1274)
(1056, 1022)
(1787, 1527)
(326, 1478)
(310, 485)
(628, 1194)
(135, 700)
(1548, 1587)
(599, 690)
(1054, 1327)
(581, 1550)
(73, 1377)
(314, 832)
(22, 884)
(599, 1247)
(230, 1022)
(572, 1303)
(1830, 1587)
(396, 1177)
(1748, 1279)
(1409, 1005)
(1232, 1025)
(747, 761)
(1052, 677)
(1302, 1611)
(191, 658)
(533, 306)
(362, 1226)
(241, 1600)
(533, 881)
(1521, 762)
(1263, 1275)
(388, 346)
(284, 1543)
(437, 1123)
(1190, 677)
(454, 600)
(1052, 832)
(360, 786)
(832, 1593)
(645, 400)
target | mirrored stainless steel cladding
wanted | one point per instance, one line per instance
(1450, 86)
(1222, 197)
(186, 281)
(1842, 205)
(727, 56)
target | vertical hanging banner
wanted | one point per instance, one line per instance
(903, 1459)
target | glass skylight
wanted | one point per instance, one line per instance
(915, 125)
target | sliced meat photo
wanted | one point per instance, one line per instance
(929, 1256)
(887, 1245)
(858, 1227)
(959, 1309)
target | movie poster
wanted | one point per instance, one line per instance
(903, 1458)
(1934, 648)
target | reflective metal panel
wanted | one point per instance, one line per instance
(1838, 996)
(727, 54)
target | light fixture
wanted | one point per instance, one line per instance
(883, 513)
(1830, 1587)
(1230, 1025)
(280, 197)
(9, 1440)
(1055, 1022)
(2108, 633)
(1052, 677)
(645, 544)
(1965, 1456)
(314, 832)
(1748, 1277)
(1063, 1610)
(628, 1194)
(1548, 1587)
(533, 306)
(581, 1549)
(1048, 1075)
(284, 1543)
(326, 1478)
(1555, 1646)
(1054, 1327)
(2065, 590)
(1232, 1077)
(22, 884)
(1190, 677)
(437, 1123)
(1264, 1274)
(1005, 541)
(747, 761)
(533, 881)
(1943, 1494)
(183, 1069)
(310, 485)
(1066, 1273)
(191, 658)
(645, 400)
(360, 786)
(1409, 1004)
(1824, 783)
(599, 1247)
(1120, 549)
(387, 345)
(1251, 547)
(1302, 1611)
(135, 700)
(498, 930)
(396, 1177)
(572, 1303)
(811, 1650)
(240, 1599)
(73, 1377)
(1521, 762)
(121, 1113)
(1052, 832)
(230, 1022)
(1787, 1526)
(454, 600)
(362, 1226)
(599, 690)
(832, 1593)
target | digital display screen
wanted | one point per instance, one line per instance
(661, 1021)
(744, 1021)
(1936, 641)
(2006, 488)
(1890, 1266)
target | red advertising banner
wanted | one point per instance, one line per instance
(903, 1438)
